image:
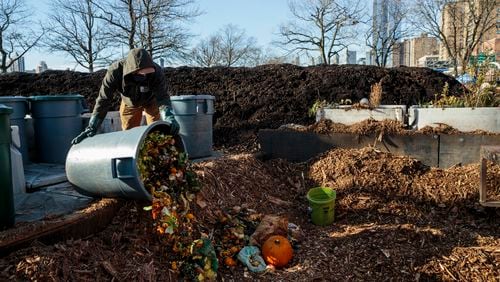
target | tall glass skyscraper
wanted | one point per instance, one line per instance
(383, 26)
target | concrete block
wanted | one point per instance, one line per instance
(463, 119)
(348, 115)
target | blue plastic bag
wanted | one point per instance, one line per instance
(250, 256)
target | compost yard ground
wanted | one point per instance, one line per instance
(396, 219)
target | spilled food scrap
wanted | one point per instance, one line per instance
(167, 173)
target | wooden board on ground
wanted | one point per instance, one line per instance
(443, 150)
(463, 149)
(298, 146)
(423, 147)
(492, 154)
(76, 225)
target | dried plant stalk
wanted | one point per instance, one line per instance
(376, 94)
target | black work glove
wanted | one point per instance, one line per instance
(89, 131)
(167, 116)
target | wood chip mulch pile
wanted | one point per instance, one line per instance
(396, 219)
(371, 126)
(365, 127)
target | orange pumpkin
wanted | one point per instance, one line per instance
(277, 251)
(229, 261)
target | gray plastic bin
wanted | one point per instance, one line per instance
(6, 194)
(194, 114)
(105, 165)
(20, 107)
(56, 120)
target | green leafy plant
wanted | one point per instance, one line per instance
(444, 100)
(318, 104)
(480, 94)
(483, 93)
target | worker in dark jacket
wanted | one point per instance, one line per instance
(141, 84)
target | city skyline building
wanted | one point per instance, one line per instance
(458, 32)
(383, 30)
(18, 65)
(408, 52)
(369, 58)
(490, 42)
(41, 67)
(351, 57)
(336, 58)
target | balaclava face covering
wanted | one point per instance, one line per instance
(138, 59)
(143, 81)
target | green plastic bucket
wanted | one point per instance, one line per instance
(322, 203)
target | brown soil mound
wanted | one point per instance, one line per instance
(267, 96)
(395, 220)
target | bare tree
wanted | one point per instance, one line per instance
(156, 25)
(230, 46)
(261, 56)
(460, 25)
(388, 28)
(161, 29)
(122, 18)
(76, 31)
(16, 37)
(255, 57)
(206, 52)
(323, 26)
(235, 46)
(276, 60)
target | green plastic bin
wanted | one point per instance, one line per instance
(322, 203)
(6, 194)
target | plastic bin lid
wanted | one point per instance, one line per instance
(191, 97)
(13, 99)
(56, 97)
(5, 110)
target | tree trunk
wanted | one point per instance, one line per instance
(455, 67)
(133, 23)
(3, 66)
(150, 32)
(91, 37)
(4, 55)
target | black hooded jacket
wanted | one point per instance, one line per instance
(119, 79)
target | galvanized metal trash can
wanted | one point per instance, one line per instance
(6, 194)
(194, 114)
(20, 108)
(56, 120)
(105, 165)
